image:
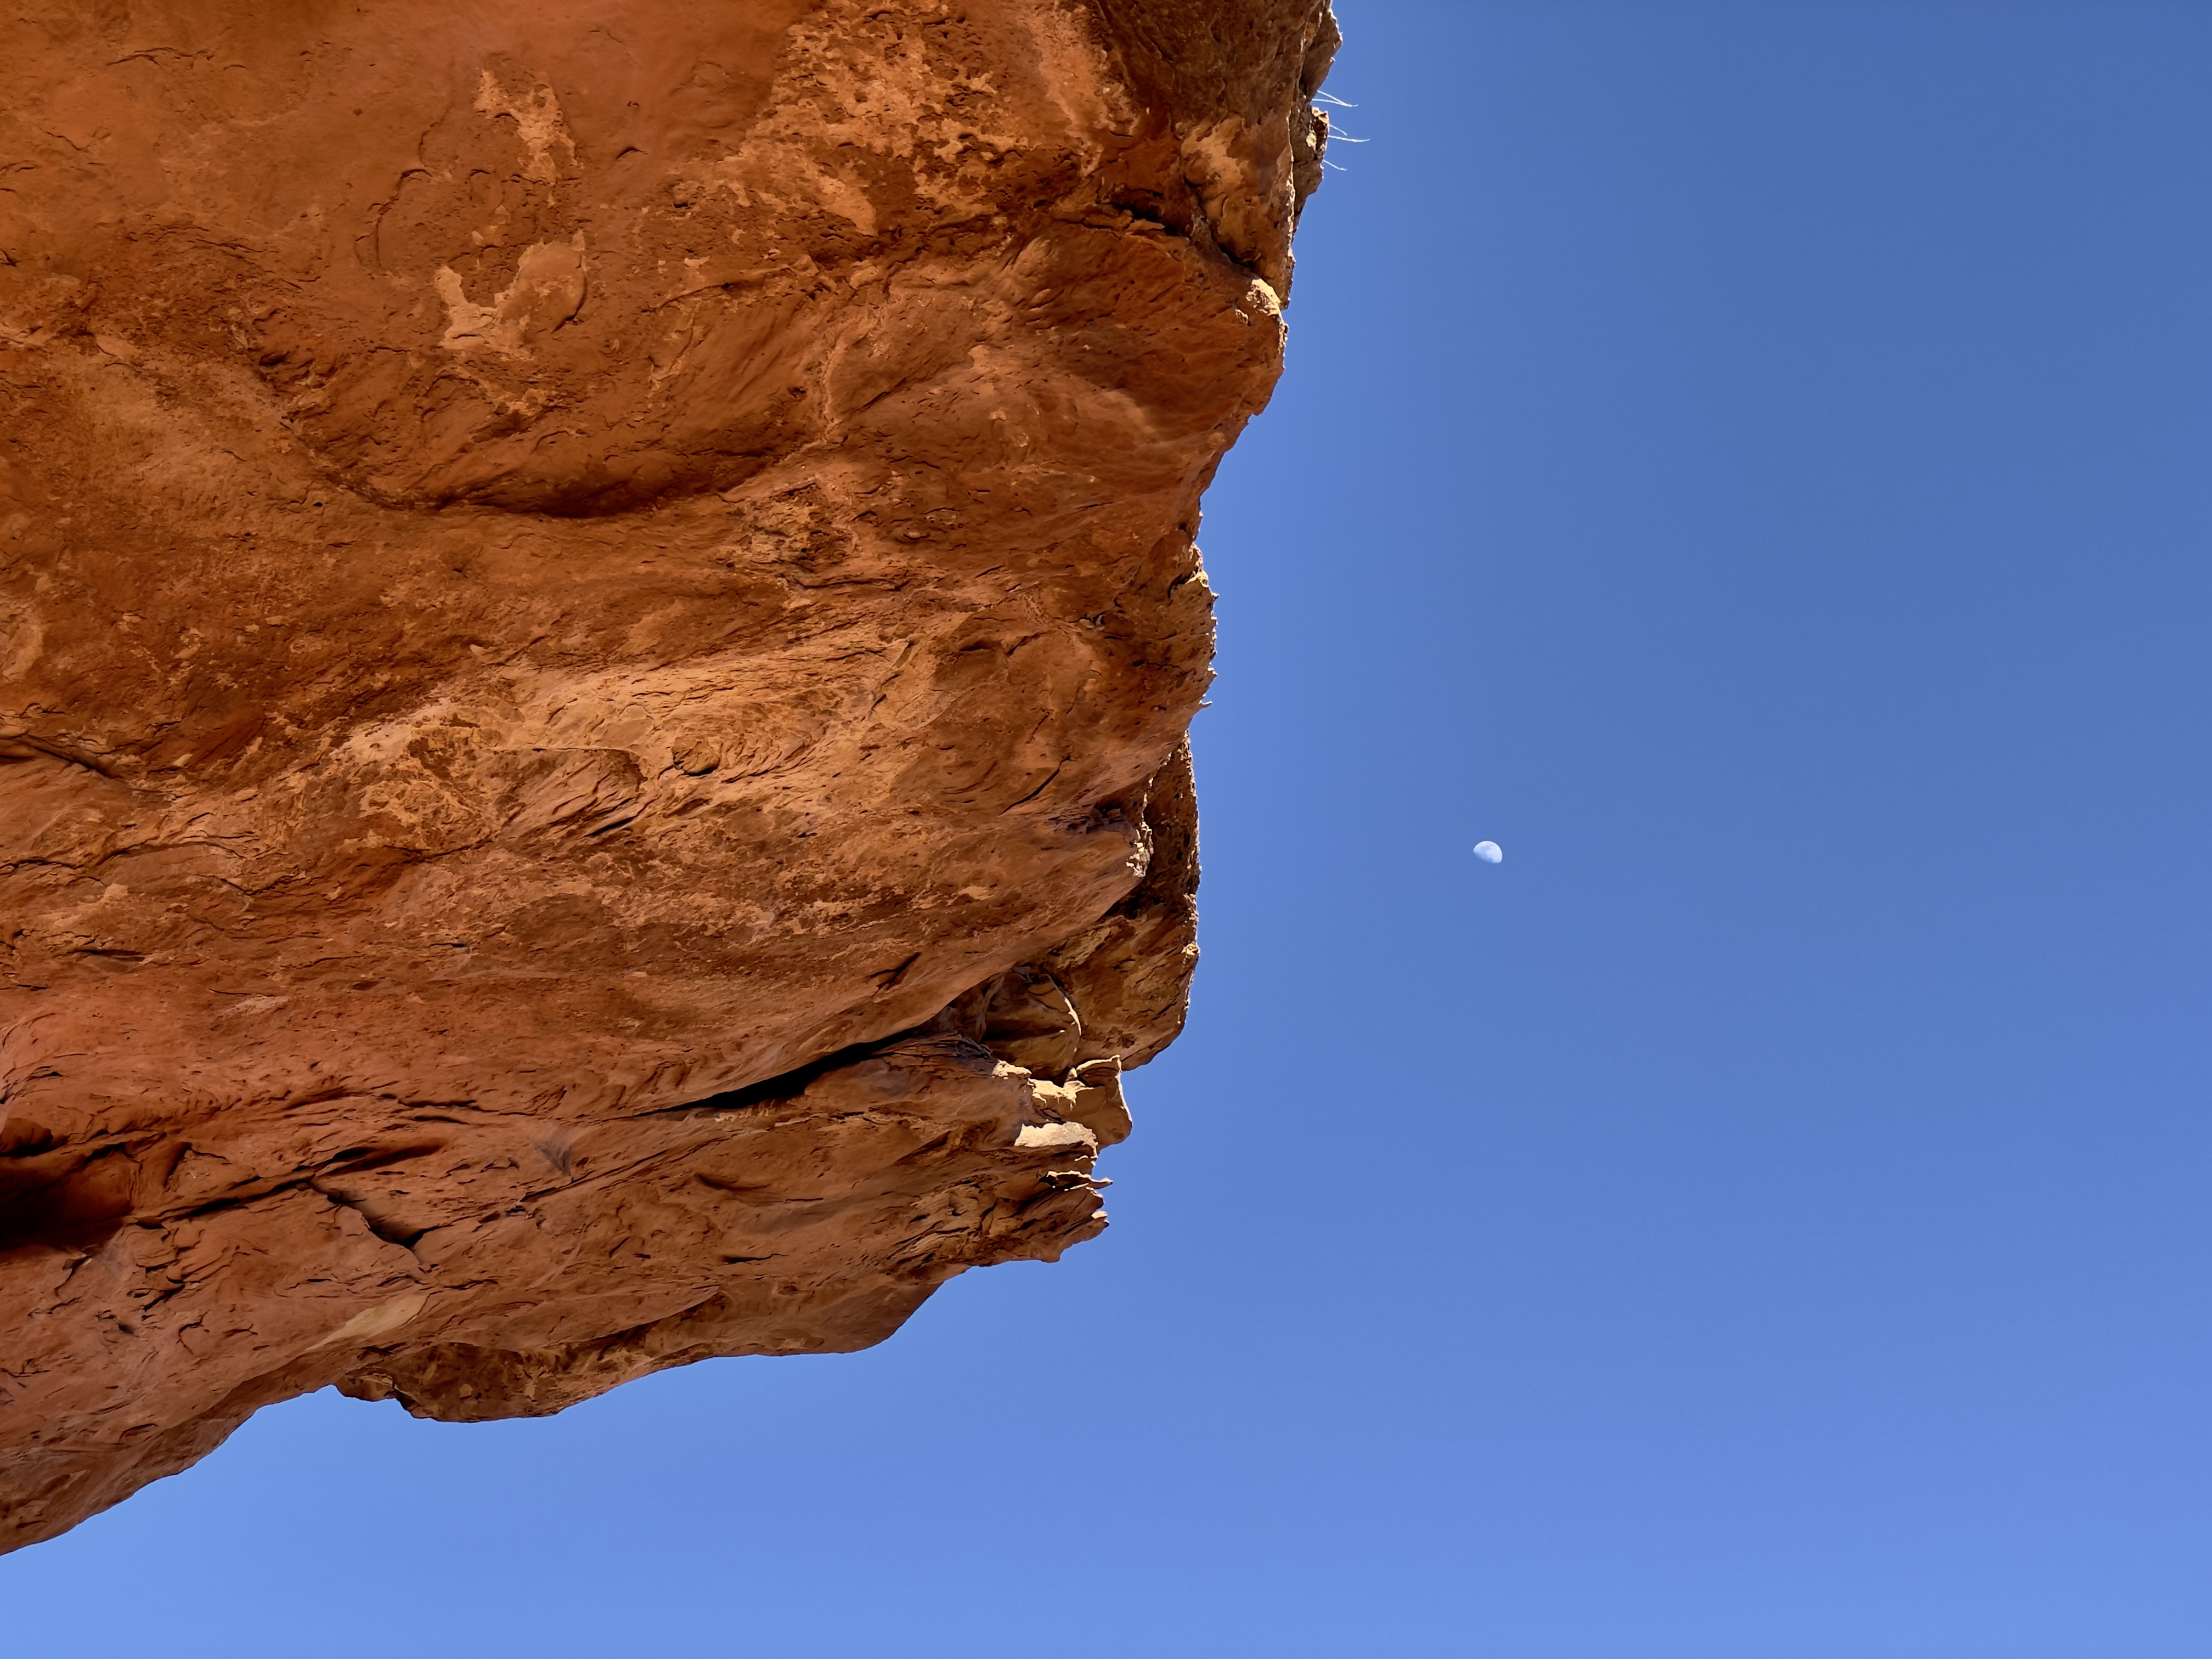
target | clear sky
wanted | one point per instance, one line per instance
(1750, 460)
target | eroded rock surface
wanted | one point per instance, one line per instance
(599, 615)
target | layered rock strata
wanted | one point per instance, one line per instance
(599, 617)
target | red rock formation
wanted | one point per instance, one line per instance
(599, 615)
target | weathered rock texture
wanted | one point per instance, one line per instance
(599, 613)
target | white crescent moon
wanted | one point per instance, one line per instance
(1489, 852)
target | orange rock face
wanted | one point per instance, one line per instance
(598, 614)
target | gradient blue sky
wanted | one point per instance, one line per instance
(1751, 460)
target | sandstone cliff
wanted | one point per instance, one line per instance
(598, 613)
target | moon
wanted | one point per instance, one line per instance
(1489, 852)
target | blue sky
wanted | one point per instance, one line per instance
(1750, 461)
